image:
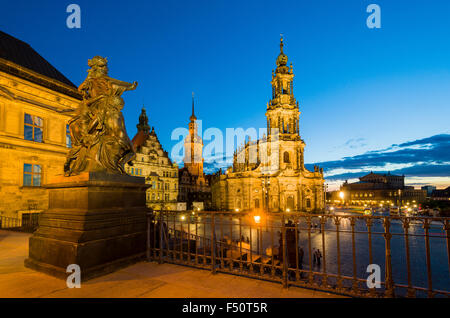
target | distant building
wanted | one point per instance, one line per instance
(153, 163)
(429, 189)
(36, 104)
(269, 173)
(375, 189)
(194, 184)
(441, 195)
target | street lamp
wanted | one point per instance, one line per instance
(342, 195)
(257, 219)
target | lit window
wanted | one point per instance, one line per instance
(33, 127)
(32, 175)
(68, 137)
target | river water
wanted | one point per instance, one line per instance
(230, 227)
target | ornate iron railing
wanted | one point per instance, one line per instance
(27, 223)
(324, 252)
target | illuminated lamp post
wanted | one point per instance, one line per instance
(342, 195)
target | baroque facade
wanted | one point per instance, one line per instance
(153, 163)
(36, 104)
(374, 189)
(194, 184)
(269, 173)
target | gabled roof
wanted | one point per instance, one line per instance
(139, 139)
(22, 54)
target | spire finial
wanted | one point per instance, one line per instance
(193, 104)
(281, 42)
(143, 121)
(193, 114)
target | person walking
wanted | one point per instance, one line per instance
(319, 256)
(300, 258)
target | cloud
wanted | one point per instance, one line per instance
(356, 143)
(427, 157)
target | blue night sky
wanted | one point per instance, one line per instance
(371, 99)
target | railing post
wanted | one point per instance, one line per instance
(426, 226)
(213, 243)
(355, 278)
(149, 216)
(388, 264)
(411, 292)
(337, 222)
(285, 260)
(161, 228)
(447, 231)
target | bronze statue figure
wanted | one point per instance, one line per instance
(99, 138)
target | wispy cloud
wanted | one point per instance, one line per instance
(427, 157)
(355, 143)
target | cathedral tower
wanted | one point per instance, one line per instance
(193, 147)
(282, 110)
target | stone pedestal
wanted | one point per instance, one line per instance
(95, 220)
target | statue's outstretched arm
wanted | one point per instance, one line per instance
(128, 86)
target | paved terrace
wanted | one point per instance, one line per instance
(147, 280)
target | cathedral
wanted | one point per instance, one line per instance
(269, 173)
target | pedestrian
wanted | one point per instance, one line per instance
(300, 258)
(314, 256)
(319, 256)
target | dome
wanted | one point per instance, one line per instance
(282, 59)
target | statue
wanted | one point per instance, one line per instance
(99, 138)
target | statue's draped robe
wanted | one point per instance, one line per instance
(99, 138)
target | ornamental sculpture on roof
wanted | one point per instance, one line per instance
(99, 138)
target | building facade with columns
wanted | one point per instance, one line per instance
(269, 173)
(153, 163)
(194, 184)
(36, 104)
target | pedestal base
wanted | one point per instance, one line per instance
(95, 220)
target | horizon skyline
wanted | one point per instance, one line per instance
(370, 100)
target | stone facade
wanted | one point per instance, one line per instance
(153, 163)
(269, 173)
(374, 189)
(34, 112)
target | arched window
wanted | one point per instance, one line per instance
(256, 203)
(290, 202)
(286, 157)
(308, 203)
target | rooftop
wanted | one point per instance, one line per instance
(20, 59)
(142, 280)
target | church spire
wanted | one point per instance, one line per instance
(143, 122)
(281, 43)
(192, 118)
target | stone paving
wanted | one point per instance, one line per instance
(142, 280)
